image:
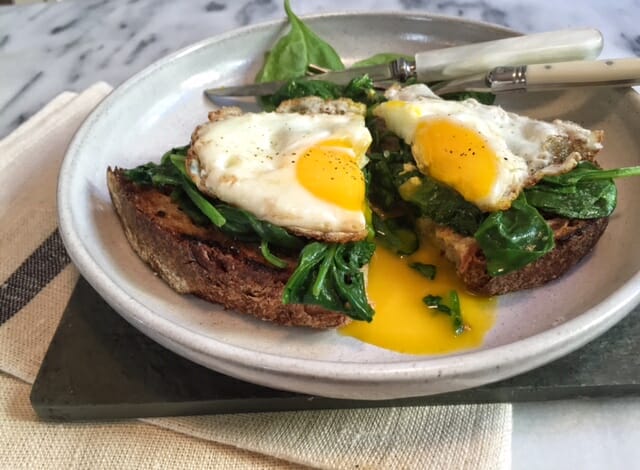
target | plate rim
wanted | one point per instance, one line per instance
(541, 346)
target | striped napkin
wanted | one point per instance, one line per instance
(36, 280)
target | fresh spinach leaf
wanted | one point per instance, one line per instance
(381, 58)
(427, 270)
(293, 53)
(513, 238)
(330, 275)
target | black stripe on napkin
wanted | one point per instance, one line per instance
(32, 276)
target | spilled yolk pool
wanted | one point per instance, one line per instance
(402, 322)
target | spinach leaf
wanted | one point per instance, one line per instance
(270, 257)
(435, 301)
(362, 90)
(393, 173)
(381, 58)
(586, 192)
(385, 172)
(427, 270)
(234, 221)
(298, 88)
(397, 234)
(441, 204)
(359, 89)
(513, 238)
(453, 309)
(293, 52)
(330, 275)
(456, 314)
(586, 199)
(163, 174)
(586, 171)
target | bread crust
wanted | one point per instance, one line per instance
(205, 262)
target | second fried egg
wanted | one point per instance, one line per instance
(486, 154)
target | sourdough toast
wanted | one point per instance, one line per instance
(574, 239)
(204, 261)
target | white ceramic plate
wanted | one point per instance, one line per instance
(159, 107)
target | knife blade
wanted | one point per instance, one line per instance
(456, 61)
(544, 77)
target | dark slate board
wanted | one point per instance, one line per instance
(100, 367)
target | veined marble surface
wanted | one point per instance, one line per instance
(48, 48)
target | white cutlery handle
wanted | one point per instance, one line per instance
(614, 72)
(554, 46)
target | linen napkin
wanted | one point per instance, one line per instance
(36, 280)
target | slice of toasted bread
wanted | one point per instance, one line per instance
(574, 240)
(204, 261)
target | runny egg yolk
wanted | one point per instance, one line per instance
(456, 155)
(330, 171)
(402, 322)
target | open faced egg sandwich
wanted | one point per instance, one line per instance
(285, 234)
(468, 174)
(278, 214)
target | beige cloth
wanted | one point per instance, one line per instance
(437, 437)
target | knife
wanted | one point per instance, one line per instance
(543, 77)
(457, 61)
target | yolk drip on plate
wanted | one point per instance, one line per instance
(402, 322)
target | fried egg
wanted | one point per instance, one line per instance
(298, 171)
(486, 154)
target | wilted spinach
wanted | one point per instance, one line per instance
(393, 174)
(359, 89)
(329, 275)
(586, 192)
(441, 204)
(427, 270)
(513, 238)
(453, 309)
(397, 234)
(234, 221)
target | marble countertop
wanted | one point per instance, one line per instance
(48, 48)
